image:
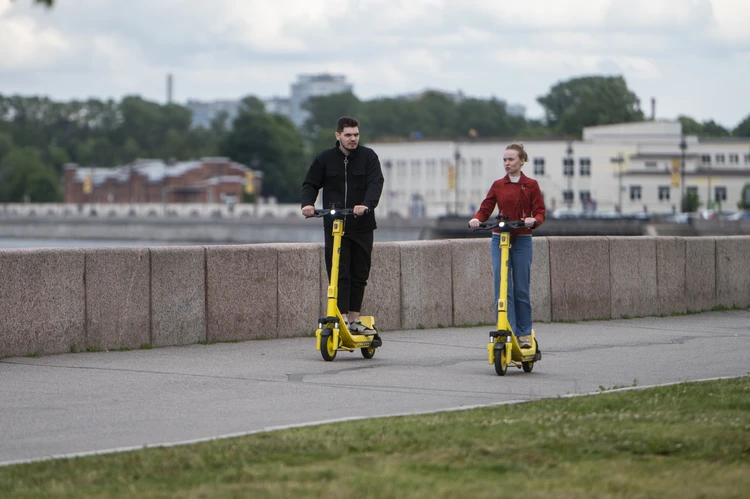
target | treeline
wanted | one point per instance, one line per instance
(39, 136)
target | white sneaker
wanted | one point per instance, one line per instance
(357, 327)
(524, 341)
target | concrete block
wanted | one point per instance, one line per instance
(579, 278)
(670, 275)
(241, 292)
(383, 292)
(541, 303)
(632, 267)
(700, 273)
(426, 288)
(118, 307)
(178, 295)
(473, 289)
(733, 271)
(42, 304)
(299, 288)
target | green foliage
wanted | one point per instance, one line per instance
(743, 129)
(23, 176)
(269, 143)
(691, 202)
(744, 202)
(589, 101)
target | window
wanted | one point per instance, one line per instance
(445, 162)
(652, 164)
(568, 167)
(430, 162)
(635, 192)
(747, 158)
(664, 191)
(538, 166)
(734, 159)
(476, 167)
(706, 159)
(692, 191)
(585, 164)
(719, 159)
(568, 196)
(720, 194)
(585, 196)
(416, 169)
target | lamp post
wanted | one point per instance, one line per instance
(571, 170)
(388, 167)
(457, 156)
(683, 147)
(619, 160)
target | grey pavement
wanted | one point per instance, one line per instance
(85, 403)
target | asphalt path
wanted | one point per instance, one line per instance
(88, 403)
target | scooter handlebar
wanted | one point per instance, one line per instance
(332, 212)
(503, 224)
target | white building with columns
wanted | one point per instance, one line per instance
(630, 168)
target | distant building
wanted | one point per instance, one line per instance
(204, 112)
(628, 168)
(208, 180)
(314, 86)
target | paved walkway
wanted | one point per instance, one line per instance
(96, 402)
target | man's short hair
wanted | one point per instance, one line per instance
(346, 122)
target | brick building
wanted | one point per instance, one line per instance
(208, 180)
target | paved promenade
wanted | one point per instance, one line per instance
(97, 402)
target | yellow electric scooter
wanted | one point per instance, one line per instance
(332, 334)
(503, 348)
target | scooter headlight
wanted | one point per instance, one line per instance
(333, 212)
(501, 224)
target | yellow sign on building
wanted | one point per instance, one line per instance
(675, 173)
(87, 184)
(451, 178)
(250, 183)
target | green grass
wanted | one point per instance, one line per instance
(684, 441)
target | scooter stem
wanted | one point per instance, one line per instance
(333, 285)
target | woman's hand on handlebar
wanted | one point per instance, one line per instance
(530, 222)
(474, 223)
(308, 210)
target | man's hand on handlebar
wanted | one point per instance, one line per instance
(474, 223)
(530, 222)
(308, 210)
(360, 209)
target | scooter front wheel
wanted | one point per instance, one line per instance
(501, 365)
(327, 348)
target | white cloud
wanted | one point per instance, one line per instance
(512, 50)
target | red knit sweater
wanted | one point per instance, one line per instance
(515, 201)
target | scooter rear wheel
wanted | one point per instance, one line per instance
(368, 353)
(501, 366)
(327, 348)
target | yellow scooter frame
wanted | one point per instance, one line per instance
(332, 334)
(503, 349)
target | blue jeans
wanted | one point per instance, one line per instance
(519, 282)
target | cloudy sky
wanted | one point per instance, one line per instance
(693, 56)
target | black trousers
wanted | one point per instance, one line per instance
(354, 268)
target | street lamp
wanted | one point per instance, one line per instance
(457, 156)
(683, 147)
(570, 170)
(388, 168)
(619, 160)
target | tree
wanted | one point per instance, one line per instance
(24, 176)
(589, 101)
(326, 110)
(271, 144)
(743, 129)
(713, 129)
(689, 125)
(691, 202)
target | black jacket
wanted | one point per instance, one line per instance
(346, 181)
